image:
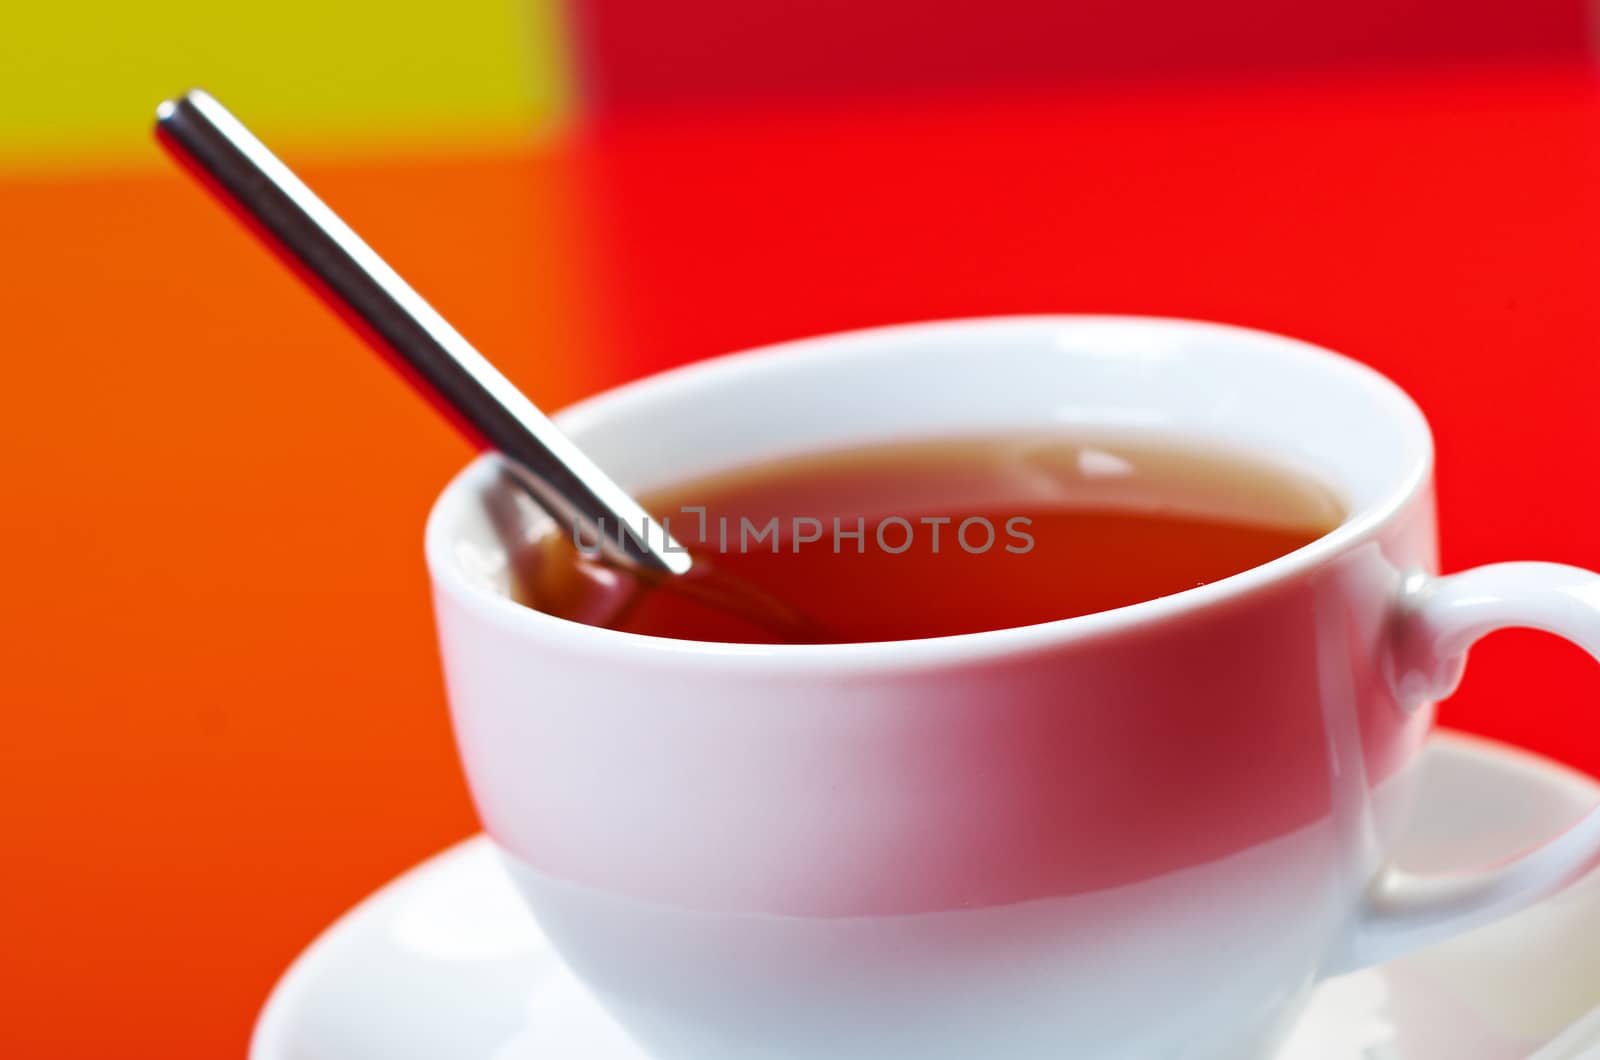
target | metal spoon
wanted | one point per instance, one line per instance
(584, 501)
(587, 504)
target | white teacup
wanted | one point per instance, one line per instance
(1133, 835)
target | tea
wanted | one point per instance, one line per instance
(925, 539)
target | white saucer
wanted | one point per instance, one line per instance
(445, 963)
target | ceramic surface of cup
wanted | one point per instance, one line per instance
(1135, 834)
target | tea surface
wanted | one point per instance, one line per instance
(925, 539)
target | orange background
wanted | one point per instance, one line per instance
(224, 716)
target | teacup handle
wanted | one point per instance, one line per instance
(1438, 620)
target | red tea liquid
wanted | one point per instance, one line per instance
(926, 539)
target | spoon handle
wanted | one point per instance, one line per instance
(432, 354)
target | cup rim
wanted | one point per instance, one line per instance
(575, 637)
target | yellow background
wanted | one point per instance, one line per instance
(79, 81)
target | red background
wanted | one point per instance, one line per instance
(646, 55)
(224, 718)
